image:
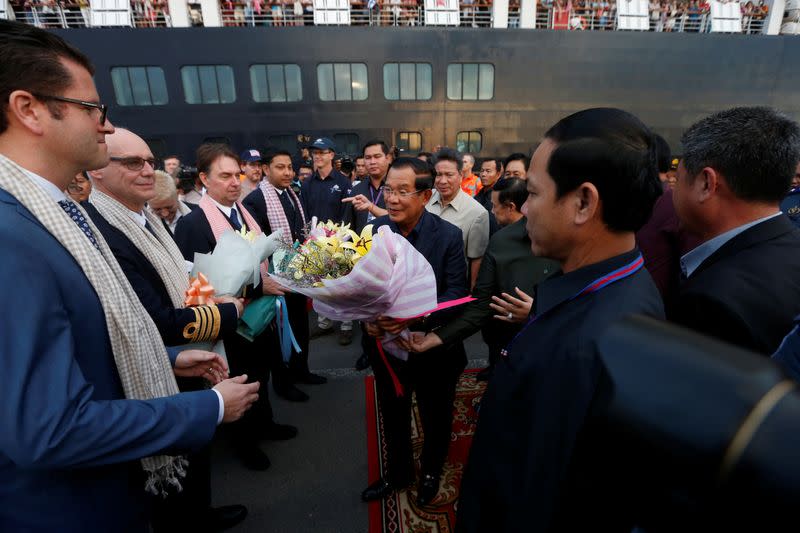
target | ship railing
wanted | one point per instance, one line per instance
(387, 13)
(54, 16)
(266, 14)
(476, 14)
(147, 14)
(579, 19)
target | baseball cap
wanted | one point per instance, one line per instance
(250, 156)
(322, 143)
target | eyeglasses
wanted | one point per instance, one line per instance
(102, 107)
(387, 192)
(134, 163)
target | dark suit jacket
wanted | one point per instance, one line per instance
(69, 443)
(507, 263)
(150, 289)
(748, 291)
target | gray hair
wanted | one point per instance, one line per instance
(448, 154)
(164, 186)
(756, 149)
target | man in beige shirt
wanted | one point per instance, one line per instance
(458, 208)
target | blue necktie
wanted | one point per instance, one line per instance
(235, 220)
(77, 217)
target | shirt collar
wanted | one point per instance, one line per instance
(457, 203)
(225, 209)
(562, 287)
(139, 218)
(49, 187)
(693, 259)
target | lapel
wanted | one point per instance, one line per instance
(9, 199)
(765, 231)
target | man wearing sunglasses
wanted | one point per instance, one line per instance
(90, 415)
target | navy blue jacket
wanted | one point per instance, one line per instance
(69, 442)
(150, 289)
(323, 198)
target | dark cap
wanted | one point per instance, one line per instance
(322, 143)
(250, 156)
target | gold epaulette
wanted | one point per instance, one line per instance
(206, 324)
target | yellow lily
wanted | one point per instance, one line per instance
(360, 244)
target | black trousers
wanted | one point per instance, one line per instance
(297, 306)
(253, 359)
(432, 376)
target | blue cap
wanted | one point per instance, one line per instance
(323, 143)
(250, 156)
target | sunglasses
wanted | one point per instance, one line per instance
(102, 107)
(134, 163)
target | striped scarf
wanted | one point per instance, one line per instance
(158, 247)
(141, 359)
(275, 213)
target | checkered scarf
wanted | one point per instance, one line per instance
(159, 249)
(139, 353)
(275, 213)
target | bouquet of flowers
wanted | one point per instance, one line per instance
(359, 277)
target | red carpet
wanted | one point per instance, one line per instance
(399, 514)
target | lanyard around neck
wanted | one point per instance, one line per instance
(595, 286)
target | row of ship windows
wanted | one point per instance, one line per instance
(215, 84)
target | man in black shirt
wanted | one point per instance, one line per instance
(365, 205)
(592, 183)
(322, 196)
(491, 171)
(432, 375)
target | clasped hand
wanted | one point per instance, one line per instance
(200, 363)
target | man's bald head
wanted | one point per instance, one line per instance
(128, 178)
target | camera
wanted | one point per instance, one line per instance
(186, 178)
(348, 165)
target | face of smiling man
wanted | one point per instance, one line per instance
(128, 178)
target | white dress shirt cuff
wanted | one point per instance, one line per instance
(221, 407)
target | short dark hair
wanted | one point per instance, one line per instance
(448, 154)
(32, 62)
(269, 155)
(614, 151)
(171, 157)
(664, 153)
(517, 156)
(511, 190)
(422, 170)
(756, 149)
(428, 155)
(306, 165)
(498, 163)
(207, 153)
(375, 142)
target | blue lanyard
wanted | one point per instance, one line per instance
(375, 199)
(597, 285)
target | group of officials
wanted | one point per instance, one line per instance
(107, 415)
